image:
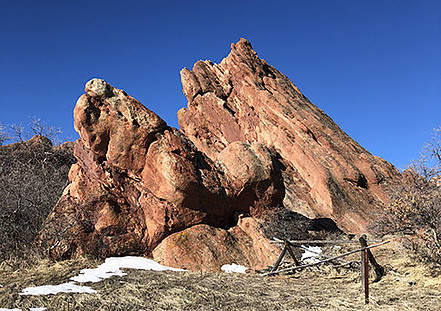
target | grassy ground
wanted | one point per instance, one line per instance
(407, 286)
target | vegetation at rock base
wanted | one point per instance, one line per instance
(33, 175)
(415, 206)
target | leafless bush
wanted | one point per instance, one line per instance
(415, 206)
(33, 175)
(17, 132)
(3, 136)
(39, 127)
(429, 163)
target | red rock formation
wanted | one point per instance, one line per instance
(196, 198)
(326, 173)
(207, 248)
(137, 181)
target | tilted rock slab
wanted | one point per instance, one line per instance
(325, 172)
(250, 143)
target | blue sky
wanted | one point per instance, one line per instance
(373, 66)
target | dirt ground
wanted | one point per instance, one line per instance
(406, 286)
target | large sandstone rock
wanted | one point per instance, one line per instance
(325, 172)
(207, 248)
(137, 181)
(255, 178)
(251, 147)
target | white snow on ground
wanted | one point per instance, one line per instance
(3, 309)
(311, 255)
(234, 268)
(112, 267)
(70, 287)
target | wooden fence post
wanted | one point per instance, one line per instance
(290, 251)
(379, 270)
(279, 260)
(288, 247)
(364, 268)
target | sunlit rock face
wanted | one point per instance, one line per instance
(325, 172)
(250, 143)
(138, 180)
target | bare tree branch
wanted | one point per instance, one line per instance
(39, 127)
(416, 204)
(18, 133)
(3, 135)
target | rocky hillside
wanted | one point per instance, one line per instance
(250, 147)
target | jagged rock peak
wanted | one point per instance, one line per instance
(245, 99)
(244, 50)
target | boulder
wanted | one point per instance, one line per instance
(207, 248)
(254, 177)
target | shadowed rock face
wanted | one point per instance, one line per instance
(325, 172)
(250, 143)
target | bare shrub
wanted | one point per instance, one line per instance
(3, 135)
(33, 175)
(17, 132)
(39, 127)
(429, 163)
(415, 206)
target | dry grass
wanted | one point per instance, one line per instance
(407, 286)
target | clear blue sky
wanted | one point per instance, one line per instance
(374, 66)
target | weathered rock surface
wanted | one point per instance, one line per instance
(255, 179)
(137, 181)
(325, 172)
(198, 198)
(207, 248)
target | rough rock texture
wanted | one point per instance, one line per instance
(255, 179)
(252, 147)
(207, 248)
(137, 181)
(325, 172)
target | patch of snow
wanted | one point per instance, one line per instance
(3, 309)
(234, 268)
(312, 254)
(70, 287)
(112, 267)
